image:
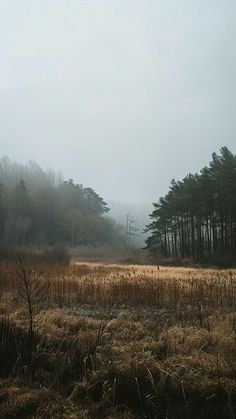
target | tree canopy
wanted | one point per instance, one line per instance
(38, 207)
(197, 217)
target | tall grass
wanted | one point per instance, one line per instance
(107, 284)
(121, 340)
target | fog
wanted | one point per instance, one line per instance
(121, 96)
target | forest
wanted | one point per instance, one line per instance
(197, 217)
(118, 337)
(40, 208)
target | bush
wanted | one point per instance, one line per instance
(222, 260)
(57, 255)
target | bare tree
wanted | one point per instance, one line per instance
(33, 291)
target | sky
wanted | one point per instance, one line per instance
(120, 95)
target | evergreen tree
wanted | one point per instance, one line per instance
(197, 217)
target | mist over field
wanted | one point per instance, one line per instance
(117, 209)
(122, 96)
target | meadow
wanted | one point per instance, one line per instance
(97, 340)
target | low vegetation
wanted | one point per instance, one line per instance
(92, 340)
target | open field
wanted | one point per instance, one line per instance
(117, 341)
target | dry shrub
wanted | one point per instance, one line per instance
(53, 255)
(20, 401)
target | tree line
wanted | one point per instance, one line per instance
(39, 207)
(197, 217)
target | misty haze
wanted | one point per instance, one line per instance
(117, 209)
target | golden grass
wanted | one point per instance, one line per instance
(122, 341)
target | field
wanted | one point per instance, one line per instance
(116, 341)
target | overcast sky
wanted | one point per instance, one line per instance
(120, 95)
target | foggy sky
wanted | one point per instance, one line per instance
(120, 95)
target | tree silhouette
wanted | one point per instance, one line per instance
(197, 217)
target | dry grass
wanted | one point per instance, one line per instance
(121, 341)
